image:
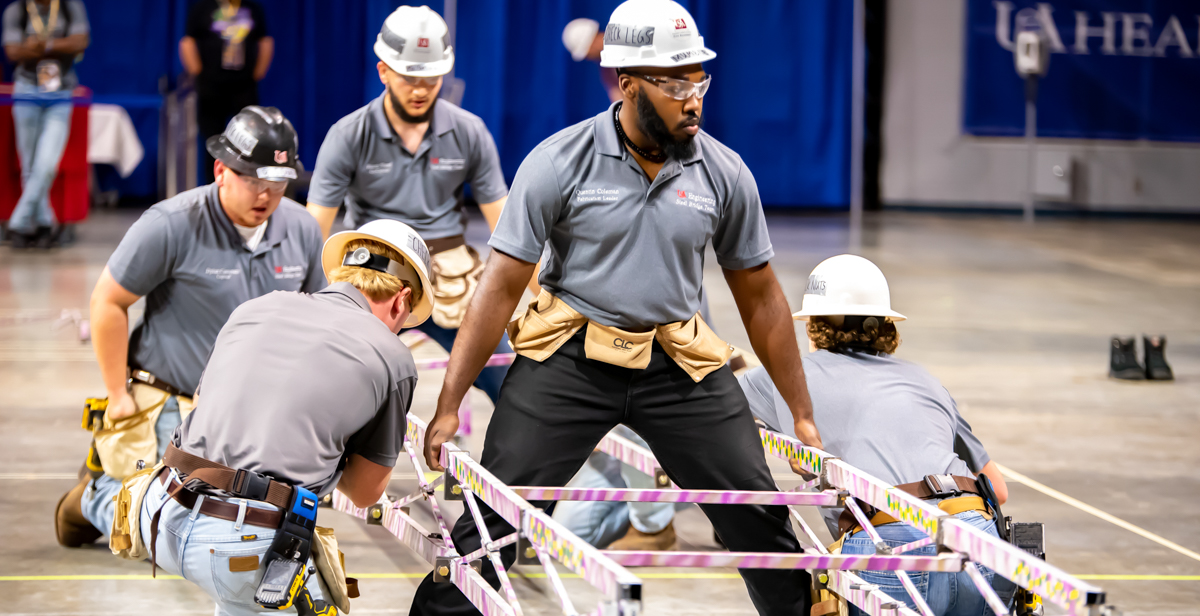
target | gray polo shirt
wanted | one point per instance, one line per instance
(186, 257)
(623, 250)
(71, 20)
(883, 415)
(363, 164)
(286, 394)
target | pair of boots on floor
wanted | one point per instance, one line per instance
(1124, 362)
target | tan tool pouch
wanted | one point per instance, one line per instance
(121, 443)
(331, 565)
(546, 325)
(694, 346)
(456, 273)
(825, 602)
(125, 538)
(613, 345)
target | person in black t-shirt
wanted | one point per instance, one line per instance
(227, 49)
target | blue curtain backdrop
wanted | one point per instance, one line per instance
(780, 94)
(1135, 74)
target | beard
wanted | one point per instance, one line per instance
(653, 126)
(408, 117)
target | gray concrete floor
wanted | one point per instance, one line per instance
(1014, 320)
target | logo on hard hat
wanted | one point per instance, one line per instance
(281, 157)
(816, 286)
(422, 42)
(413, 68)
(680, 24)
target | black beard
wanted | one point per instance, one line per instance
(652, 125)
(408, 117)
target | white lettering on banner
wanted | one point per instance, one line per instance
(221, 273)
(593, 195)
(689, 198)
(1137, 32)
(289, 272)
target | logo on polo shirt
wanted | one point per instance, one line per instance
(377, 168)
(691, 199)
(289, 272)
(594, 195)
(447, 164)
(221, 273)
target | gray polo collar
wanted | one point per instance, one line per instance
(609, 144)
(348, 291)
(276, 229)
(441, 123)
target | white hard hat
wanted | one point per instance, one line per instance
(401, 238)
(847, 285)
(578, 37)
(652, 33)
(415, 41)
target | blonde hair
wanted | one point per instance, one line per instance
(825, 335)
(376, 285)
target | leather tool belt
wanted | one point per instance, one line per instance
(549, 322)
(456, 271)
(963, 496)
(146, 378)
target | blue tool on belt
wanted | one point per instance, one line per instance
(287, 560)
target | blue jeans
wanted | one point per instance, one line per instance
(603, 522)
(198, 548)
(97, 502)
(490, 379)
(948, 594)
(42, 126)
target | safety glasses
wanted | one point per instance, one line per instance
(261, 186)
(421, 82)
(679, 89)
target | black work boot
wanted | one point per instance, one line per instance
(1155, 348)
(1124, 364)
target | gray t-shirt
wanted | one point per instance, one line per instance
(363, 164)
(71, 20)
(288, 395)
(623, 250)
(880, 414)
(185, 256)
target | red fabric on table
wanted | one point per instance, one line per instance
(69, 195)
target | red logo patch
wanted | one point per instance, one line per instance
(433, 160)
(682, 194)
(281, 157)
(422, 42)
(680, 24)
(278, 269)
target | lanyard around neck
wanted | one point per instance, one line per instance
(43, 30)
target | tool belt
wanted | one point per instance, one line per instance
(933, 486)
(125, 536)
(549, 322)
(120, 444)
(141, 376)
(455, 276)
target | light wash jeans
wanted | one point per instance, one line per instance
(43, 123)
(198, 548)
(948, 594)
(97, 502)
(602, 522)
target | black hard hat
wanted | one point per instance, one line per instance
(258, 142)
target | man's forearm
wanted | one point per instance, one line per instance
(324, 216)
(68, 46)
(19, 53)
(500, 288)
(110, 339)
(266, 51)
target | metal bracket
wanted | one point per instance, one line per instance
(526, 554)
(451, 489)
(661, 480)
(375, 514)
(820, 580)
(442, 564)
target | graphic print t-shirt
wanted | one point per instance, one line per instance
(227, 35)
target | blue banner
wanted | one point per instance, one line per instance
(1119, 69)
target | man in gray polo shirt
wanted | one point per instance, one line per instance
(627, 202)
(406, 156)
(195, 258)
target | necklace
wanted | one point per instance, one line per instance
(659, 158)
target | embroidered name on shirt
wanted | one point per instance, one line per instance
(689, 198)
(221, 273)
(289, 272)
(377, 168)
(447, 164)
(592, 195)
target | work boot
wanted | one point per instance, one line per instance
(72, 529)
(1155, 348)
(637, 541)
(1124, 364)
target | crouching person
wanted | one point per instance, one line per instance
(303, 393)
(888, 417)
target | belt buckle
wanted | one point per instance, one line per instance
(250, 485)
(942, 485)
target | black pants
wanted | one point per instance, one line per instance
(213, 112)
(552, 414)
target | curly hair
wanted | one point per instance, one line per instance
(376, 285)
(825, 335)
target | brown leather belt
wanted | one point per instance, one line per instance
(966, 486)
(145, 378)
(265, 518)
(442, 244)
